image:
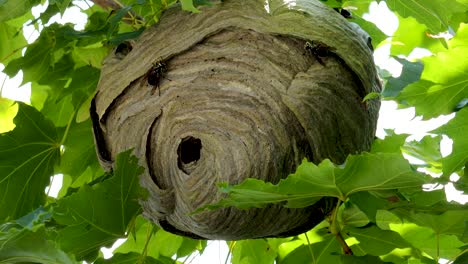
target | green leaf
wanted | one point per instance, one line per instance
(371, 96)
(429, 198)
(79, 150)
(82, 114)
(189, 246)
(427, 150)
(253, 251)
(26, 246)
(440, 88)
(36, 61)
(433, 234)
(287, 247)
(121, 37)
(324, 252)
(187, 5)
(141, 231)
(27, 158)
(96, 216)
(34, 219)
(49, 55)
(63, 101)
(116, 18)
(91, 55)
(12, 9)
(462, 183)
(375, 241)
(8, 110)
(369, 27)
(392, 143)
(434, 14)
(311, 182)
(462, 259)
(411, 34)
(332, 3)
(426, 240)
(351, 215)
(359, 7)
(59, 111)
(168, 244)
(369, 204)
(26, 240)
(411, 72)
(39, 94)
(51, 11)
(158, 242)
(83, 85)
(48, 88)
(61, 4)
(385, 218)
(450, 222)
(317, 234)
(456, 130)
(359, 173)
(12, 41)
(461, 35)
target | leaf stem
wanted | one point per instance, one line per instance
(310, 247)
(148, 238)
(64, 138)
(336, 230)
(346, 249)
(144, 253)
(15, 50)
(458, 255)
(334, 225)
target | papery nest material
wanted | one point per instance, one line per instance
(244, 92)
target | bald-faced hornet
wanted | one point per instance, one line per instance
(154, 75)
(318, 50)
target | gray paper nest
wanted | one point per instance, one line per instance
(242, 96)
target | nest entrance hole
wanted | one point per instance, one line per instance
(188, 152)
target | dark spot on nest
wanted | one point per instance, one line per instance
(188, 152)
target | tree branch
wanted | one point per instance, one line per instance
(108, 4)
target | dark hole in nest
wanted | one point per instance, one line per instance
(123, 49)
(188, 151)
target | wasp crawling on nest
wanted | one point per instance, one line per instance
(154, 75)
(319, 51)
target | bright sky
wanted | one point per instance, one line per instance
(402, 120)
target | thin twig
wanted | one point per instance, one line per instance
(346, 249)
(107, 4)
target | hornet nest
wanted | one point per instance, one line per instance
(241, 89)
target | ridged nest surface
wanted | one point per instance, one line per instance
(239, 90)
